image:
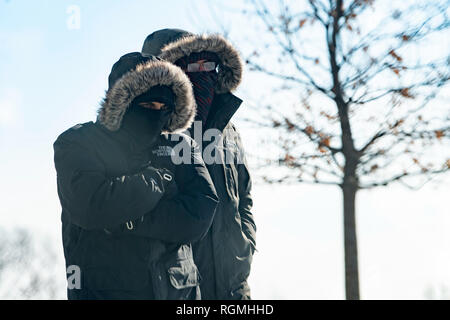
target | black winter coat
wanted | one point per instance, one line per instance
(121, 226)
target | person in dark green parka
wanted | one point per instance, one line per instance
(214, 67)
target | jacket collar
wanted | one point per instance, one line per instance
(223, 108)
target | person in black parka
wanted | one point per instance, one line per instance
(129, 213)
(214, 67)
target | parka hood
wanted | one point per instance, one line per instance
(230, 71)
(138, 80)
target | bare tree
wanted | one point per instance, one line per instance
(369, 108)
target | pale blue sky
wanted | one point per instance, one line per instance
(52, 78)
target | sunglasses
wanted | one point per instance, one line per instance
(201, 66)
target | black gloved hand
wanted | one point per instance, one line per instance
(161, 180)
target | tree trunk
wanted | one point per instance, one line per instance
(350, 243)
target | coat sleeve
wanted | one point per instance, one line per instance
(186, 216)
(245, 198)
(96, 201)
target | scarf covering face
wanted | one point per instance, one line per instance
(204, 82)
(145, 125)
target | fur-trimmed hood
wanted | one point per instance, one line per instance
(138, 81)
(230, 71)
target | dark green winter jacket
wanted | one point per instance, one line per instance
(224, 256)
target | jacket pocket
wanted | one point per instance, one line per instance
(184, 275)
(177, 276)
(184, 281)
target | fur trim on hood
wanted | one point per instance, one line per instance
(139, 81)
(230, 71)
